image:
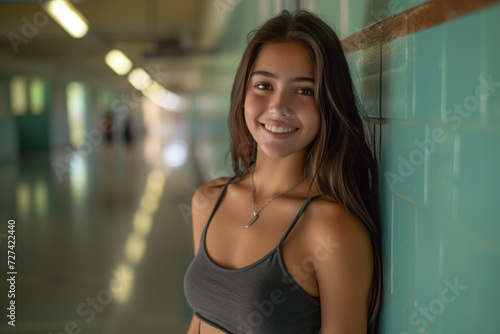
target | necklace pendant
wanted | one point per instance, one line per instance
(255, 216)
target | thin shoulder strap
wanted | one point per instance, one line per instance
(219, 200)
(301, 211)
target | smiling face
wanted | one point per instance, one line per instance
(280, 109)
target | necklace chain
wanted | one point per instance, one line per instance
(255, 213)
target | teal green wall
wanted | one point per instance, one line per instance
(441, 224)
(440, 211)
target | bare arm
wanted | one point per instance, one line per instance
(345, 275)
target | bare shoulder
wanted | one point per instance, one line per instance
(207, 193)
(202, 203)
(329, 218)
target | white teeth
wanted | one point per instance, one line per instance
(279, 130)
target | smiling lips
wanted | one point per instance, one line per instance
(275, 129)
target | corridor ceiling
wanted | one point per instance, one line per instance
(164, 36)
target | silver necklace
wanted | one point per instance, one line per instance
(255, 213)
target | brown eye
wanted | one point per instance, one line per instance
(263, 86)
(305, 91)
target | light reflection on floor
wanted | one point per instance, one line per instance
(103, 248)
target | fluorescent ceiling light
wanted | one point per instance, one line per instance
(154, 92)
(162, 97)
(118, 62)
(139, 79)
(68, 17)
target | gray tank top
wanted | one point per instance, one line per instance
(260, 298)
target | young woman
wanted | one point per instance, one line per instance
(291, 243)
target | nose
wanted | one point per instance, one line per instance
(279, 104)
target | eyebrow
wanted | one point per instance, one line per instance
(274, 76)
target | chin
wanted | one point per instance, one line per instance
(277, 153)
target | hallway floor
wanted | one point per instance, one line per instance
(101, 246)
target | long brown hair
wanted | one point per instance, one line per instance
(339, 161)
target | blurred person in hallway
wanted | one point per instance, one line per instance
(108, 127)
(127, 131)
